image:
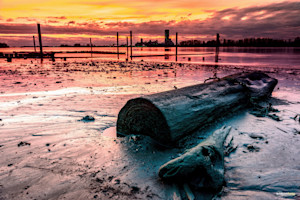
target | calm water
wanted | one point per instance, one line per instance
(250, 56)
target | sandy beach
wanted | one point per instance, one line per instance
(49, 152)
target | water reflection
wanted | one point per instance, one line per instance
(217, 54)
(280, 56)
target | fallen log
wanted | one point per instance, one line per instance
(170, 115)
(202, 166)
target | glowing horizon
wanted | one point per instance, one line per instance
(65, 22)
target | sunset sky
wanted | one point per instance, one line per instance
(75, 21)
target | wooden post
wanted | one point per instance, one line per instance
(91, 47)
(217, 47)
(127, 46)
(9, 57)
(53, 56)
(40, 40)
(118, 44)
(131, 45)
(34, 43)
(176, 45)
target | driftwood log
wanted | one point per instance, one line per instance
(200, 167)
(168, 116)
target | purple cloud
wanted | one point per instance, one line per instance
(278, 20)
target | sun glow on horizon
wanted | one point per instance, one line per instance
(147, 18)
(132, 10)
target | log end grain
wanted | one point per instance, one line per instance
(141, 117)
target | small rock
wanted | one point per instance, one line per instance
(23, 144)
(256, 136)
(110, 178)
(134, 189)
(10, 165)
(88, 119)
(99, 180)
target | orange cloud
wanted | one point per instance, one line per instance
(277, 20)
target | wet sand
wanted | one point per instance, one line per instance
(49, 152)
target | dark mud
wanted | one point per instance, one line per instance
(69, 159)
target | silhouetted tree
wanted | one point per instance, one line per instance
(246, 42)
(2, 45)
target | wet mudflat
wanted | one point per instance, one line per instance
(50, 149)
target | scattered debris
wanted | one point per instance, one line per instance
(256, 136)
(261, 111)
(23, 144)
(296, 132)
(252, 148)
(17, 82)
(281, 130)
(203, 156)
(37, 135)
(274, 116)
(230, 148)
(297, 117)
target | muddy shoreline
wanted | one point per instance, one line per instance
(64, 157)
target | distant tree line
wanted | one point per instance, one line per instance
(247, 42)
(2, 45)
(150, 43)
(75, 45)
